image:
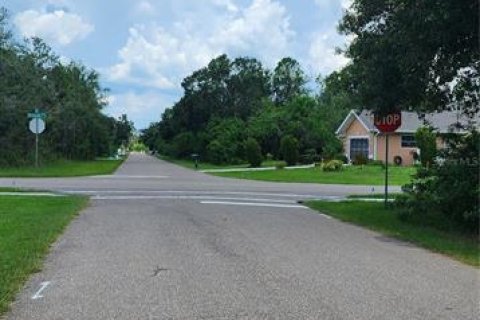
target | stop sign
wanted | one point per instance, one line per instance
(389, 122)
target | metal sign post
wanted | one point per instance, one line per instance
(387, 124)
(386, 169)
(36, 126)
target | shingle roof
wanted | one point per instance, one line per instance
(442, 122)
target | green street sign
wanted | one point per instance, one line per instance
(37, 115)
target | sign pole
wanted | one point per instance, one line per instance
(36, 126)
(386, 169)
(36, 143)
(386, 124)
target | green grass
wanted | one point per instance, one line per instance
(190, 164)
(379, 196)
(64, 168)
(11, 189)
(375, 216)
(28, 226)
(366, 175)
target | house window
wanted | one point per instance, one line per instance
(358, 146)
(408, 141)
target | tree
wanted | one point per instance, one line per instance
(447, 193)
(426, 142)
(248, 85)
(124, 130)
(31, 75)
(229, 133)
(288, 80)
(422, 55)
(253, 153)
(289, 150)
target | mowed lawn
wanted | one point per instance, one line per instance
(375, 216)
(190, 164)
(28, 226)
(363, 175)
(64, 168)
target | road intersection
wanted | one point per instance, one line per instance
(163, 242)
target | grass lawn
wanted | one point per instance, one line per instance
(11, 189)
(28, 226)
(190, 164)
(375, 216)
(366, 175)
(64, 168)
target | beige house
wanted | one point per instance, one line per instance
(360, 137)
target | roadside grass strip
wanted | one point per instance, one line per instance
(206, 167)
(28, 226)
(358, 175)
(374, 216)
(64, 168)
(366, 175)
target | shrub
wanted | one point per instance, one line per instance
(342, 158)
(376, 163)
(333, 165)
(280, 165)
(309, 157)
(447, 193)
(216, 152)
(360, 159)
(289, 149)
(231, 134)
(253, 152)
(183, 145)
(426, 142)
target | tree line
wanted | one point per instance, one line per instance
(232, 101)
(421, 56)
(32, 76)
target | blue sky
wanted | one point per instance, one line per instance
(144, 48)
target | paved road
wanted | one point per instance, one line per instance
(162, 242)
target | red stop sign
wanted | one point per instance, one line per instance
(388, 123)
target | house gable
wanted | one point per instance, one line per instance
(352, 122)
(356, 128)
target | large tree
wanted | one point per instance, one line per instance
(421, 55)
(288, 80)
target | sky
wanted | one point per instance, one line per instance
(144, 48)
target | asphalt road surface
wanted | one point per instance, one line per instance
(162, 242)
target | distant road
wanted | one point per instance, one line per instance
(163, 242)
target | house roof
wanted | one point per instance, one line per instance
(442, 122)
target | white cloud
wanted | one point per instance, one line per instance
(322, 56)
(141, 108)
(228, 4)
(157, 57)
(345, 4)
(263, 28)
(145, 8)
(58, 26)
(152, 57)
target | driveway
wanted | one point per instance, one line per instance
(162, 242)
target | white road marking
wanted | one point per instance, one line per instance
(280, 195)
(43, 286)
(252, 204)
(146, 197)
(128, 177)
(325, 216)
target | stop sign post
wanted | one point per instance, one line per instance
(387, 123)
